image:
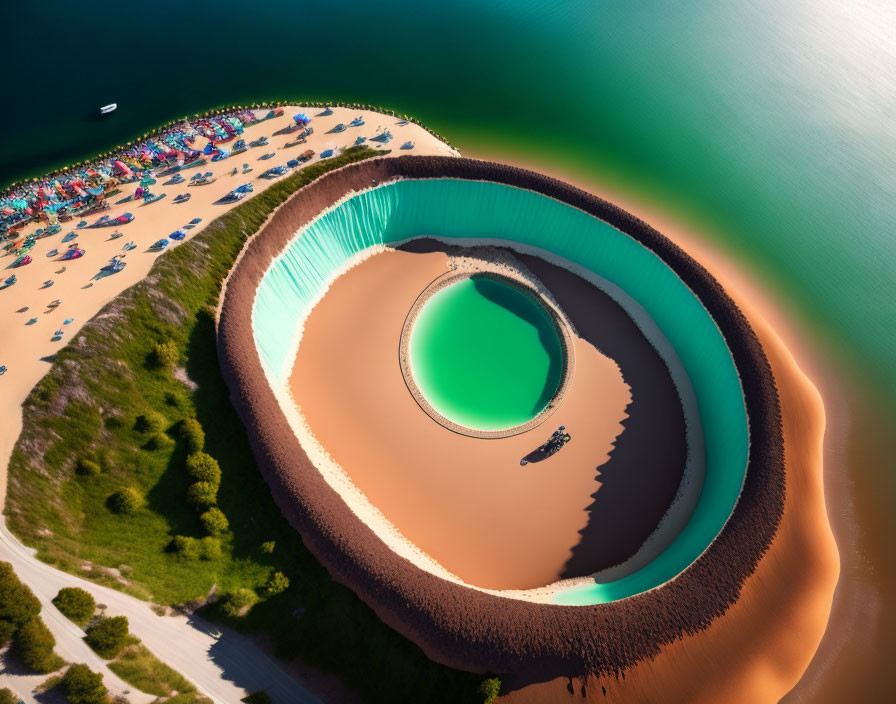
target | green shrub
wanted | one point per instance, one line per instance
(259, 697)
(17, 602)
(7, 697)
(151, 422)
(203, 468)
(489, 690)
(108, 636)
(237, 603)
(193, 434)
(185, 547)
(164, 355)
(124, 501)
(75, 604)
(210, 548)
(214, 521)
(7, 631)
(84, 686)
(202, 494)
(276, 584)
(87, 468)
(268, 547)
(158, 441)
(34, 645)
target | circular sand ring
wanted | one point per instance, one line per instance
(515, 279)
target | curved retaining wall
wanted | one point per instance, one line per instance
(454, 624)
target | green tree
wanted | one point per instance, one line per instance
(185, 547)
(489, 689)
(276, 584)
(151, 422)
(7, 631)
(193, 434)
(204, 468)
(7, 697)
(267, 547)
(84, 686)
(214, 521)
(34, 645)
(165, 355)
(237, 603)
(108, 636)
(17, 602)
(75, 604)
(202, 494)
(124, 501)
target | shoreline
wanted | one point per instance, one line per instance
(779, 327)
(28, 350)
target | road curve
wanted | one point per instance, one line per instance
(224, 668)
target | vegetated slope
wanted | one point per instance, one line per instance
(106, 419)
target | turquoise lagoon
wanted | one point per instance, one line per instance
(455, 209)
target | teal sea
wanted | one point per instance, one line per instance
(772, 123)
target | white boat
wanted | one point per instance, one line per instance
(106, 109)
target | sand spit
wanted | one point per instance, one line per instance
(460, 626)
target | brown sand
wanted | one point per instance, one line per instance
(761, 647)
(549, 521)
(26, 350)
(759, 651)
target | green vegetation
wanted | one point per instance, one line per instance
(124, 501)
(17, 602)
(210, 548)
(203, 468)
(88, 405)
(151, 423)
(185, 547)
(19, 620)
(277, 584)
(202, 494)
(75, 604)
(108, 636)
(87, 467)
(143, 670)
(237, 603)
(165, 354)
(214, 521)
(257, 698)
(84, 686)
(34, 645)
(7, 697)
(267, 547)
(193, 434)
(490, 689)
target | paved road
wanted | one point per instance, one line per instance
(223, 667)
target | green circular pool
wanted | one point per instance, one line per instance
(486, 354)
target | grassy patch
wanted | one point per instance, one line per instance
(107, 400)
(143, 670)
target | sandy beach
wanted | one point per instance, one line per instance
(27, 350)
(578, 513)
